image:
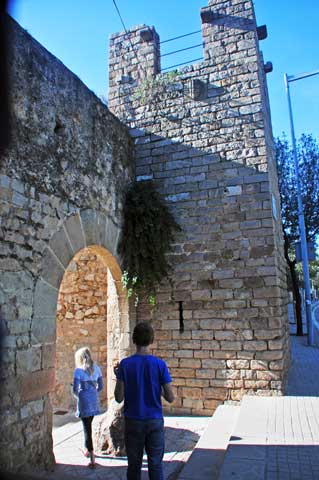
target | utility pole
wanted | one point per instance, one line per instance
(301, 218)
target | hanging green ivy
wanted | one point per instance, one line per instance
(152, 90)
(147, 235)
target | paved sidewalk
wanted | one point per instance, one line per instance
(274, 439)
(303, 378)
(278, 438)
(181, 435)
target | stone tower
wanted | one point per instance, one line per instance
(203, 134)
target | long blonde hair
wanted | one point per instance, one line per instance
(83, 359)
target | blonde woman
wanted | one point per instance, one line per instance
(87, 382)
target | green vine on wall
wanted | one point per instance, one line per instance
(147, 236)
(152, 90)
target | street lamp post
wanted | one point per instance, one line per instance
(301, 218)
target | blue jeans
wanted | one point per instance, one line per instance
(148, 434)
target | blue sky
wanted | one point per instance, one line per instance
(77, 32)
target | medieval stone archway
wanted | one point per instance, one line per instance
(88, 314)
(86, 232)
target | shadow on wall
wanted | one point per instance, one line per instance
(228, 296)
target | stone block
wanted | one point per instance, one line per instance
(214, 364)
(229, 374)
(225, 335)
(44, 318)
(61, 247)
(205, 373)
(52, 270)
(255, 345)
(28, 360)
(230, 345)
(222, 294)
(201, 295)
(276, 344)
(89, 225)
(270, 355)
(48, 355)
(267, 375)
(226, 355)
(267, 334)
(258, 365)
(190, 363)
(222, 382)
(192, 403)
(212, 324)
(111, 238)
(183, 372)
(193, 392)
(237, 364)
(203, 335)
(197, 382)
(35, 407)
(277, 365)
(75, 232)
(101, 221)
(37, 384)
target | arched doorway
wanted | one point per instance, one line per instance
(92, 310)
(98, 233)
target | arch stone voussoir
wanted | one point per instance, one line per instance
(101, 230)
(52, 269)
(101, 221)
(90, 226)
(111, 237)
(75, 232)
(61, 247)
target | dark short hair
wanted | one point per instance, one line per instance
(143, 334)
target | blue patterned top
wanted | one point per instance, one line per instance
(86, 388)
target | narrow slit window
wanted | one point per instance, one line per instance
(181, 317)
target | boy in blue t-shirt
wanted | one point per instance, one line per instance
(141, 381)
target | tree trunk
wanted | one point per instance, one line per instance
(297, 298)
(108, 434)
(295, 288)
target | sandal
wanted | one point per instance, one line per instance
(85, 452)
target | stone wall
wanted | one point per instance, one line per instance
(62, 182)
(204, 136)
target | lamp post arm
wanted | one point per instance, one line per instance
(293, 78)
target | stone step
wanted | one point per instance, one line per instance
(246, 449)
(207, 456)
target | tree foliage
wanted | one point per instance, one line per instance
(308, 158)
(147, 236)
(308, 162)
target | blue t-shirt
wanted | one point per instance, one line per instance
(86, 388)
(143, 377)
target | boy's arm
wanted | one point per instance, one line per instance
(167, 393)
(119, 391)
(119, 387)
